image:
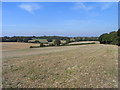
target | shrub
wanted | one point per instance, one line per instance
(36, 41)
(83, 43)
(41, 45)
(118, 41)
(65, 44)
(118, 33)
(57, 42)
(34, 46)
(68, 41)
(31, 46)
(51, 45)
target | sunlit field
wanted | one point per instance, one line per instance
(84, 66)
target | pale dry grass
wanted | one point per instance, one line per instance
(9, 46)
(97, 42)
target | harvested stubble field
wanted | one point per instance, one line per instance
(8, 46)
(84, 66)
(82, 42)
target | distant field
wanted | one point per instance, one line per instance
(9, 46)
(97, 42)
(77, 66)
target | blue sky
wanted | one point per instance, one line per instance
(59, 18)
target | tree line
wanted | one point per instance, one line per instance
(106, 38)
(110, 38)
(49, 38)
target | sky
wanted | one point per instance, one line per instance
(59, 18)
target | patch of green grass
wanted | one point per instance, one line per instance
(51, 81)
(33, 77)
(9, 83)
(111, 72)
(31, 71)
(68, 71)
(16, 69)
(16, 57)
(92, 86)
(63, 82)
(4, 72)
(24, 76)
(92, 59)
(104, 69)
(109, 51)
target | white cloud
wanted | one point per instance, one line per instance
(106, 6)
(81, 5)
(30, 7)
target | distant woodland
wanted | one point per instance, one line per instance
(106, 38)
(48, 38)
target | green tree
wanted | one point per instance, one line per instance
(118, 33)
(36, 41)
(25, 40)
(103, 38)
(68, 41)
(41, 45)
(57, 42)
(111, 38)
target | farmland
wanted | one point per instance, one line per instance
(16, 46)
(82, 42)
(84, 66)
